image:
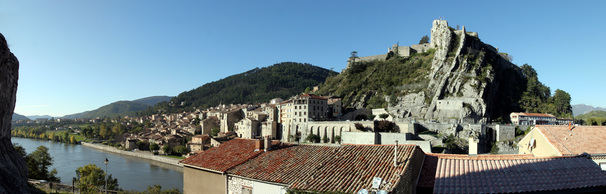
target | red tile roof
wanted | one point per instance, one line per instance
(353, 167)
(286, 165)
(347, 168)
(224, 157)
(313, 96)
(579, 140)
(507, 174)
(535, 114)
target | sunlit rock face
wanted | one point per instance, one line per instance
(13, 171)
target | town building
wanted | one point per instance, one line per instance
(566, 140)
(205, 172)
(310, 107)
(522, 118)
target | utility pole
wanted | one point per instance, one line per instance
(106, 161)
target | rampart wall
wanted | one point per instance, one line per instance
(383, 139)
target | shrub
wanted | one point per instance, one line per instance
(313, 138)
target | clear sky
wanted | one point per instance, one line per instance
(79, 55)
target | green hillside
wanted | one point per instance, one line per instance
(393, 78)
(153, 100)
(596, 117)
(596, 113)
(120, 108)
(281, 80)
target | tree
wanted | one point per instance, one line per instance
(118, 129)
(424, 40)
(20, 149)
(354, 54)
(180, 150)
(72, 139)
(142, 145)
(384, 126)
(38, 163)
(215, 131)
(313, 138)
(166, 149)
(154, 147)
(91, 178)
(561, 100)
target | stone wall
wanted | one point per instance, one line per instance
(13, 171)
(505, 132)
(138, 154)
(383, 139)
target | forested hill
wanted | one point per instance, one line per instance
(281, 80)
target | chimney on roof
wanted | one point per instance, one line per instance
(258, 144)
(473, 146)
(395, 155)
(569, 126)
(267, 143)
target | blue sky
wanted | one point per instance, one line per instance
(79, 55)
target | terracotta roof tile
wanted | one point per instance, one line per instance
(579, 140)
(354, 166)
(535, 114)
(517, 173)
(347, 168)
(225, 156)
(287, 164)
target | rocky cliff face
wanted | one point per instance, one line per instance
(466, 78)
(13, 171)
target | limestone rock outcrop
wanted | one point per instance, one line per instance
(466, 78)
(13, 171)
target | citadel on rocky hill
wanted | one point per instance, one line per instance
(465, 80)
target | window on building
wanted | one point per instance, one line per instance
(246, 190)
(603, 165)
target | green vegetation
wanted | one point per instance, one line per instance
(313, 138)
(375, 79)
(424, 40)
(537, 97)
(597, 117)
(280, 80)
(91, 178)
(120, 108)
(384, 126)
(37, 163)
(494, 148)
(155, 189)
(154, 147)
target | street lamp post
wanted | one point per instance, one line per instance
(106, 161)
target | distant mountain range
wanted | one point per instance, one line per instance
(17, 117)
(579, 109)
(34, 117)
(120, 108)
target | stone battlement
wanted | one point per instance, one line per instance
(406, 51)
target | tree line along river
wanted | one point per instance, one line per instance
(132, 173)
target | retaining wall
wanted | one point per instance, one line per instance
(138, 154)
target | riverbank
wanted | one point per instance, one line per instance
(138, 154)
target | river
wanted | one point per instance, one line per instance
(132, 173)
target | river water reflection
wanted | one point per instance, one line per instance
(132, 173)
